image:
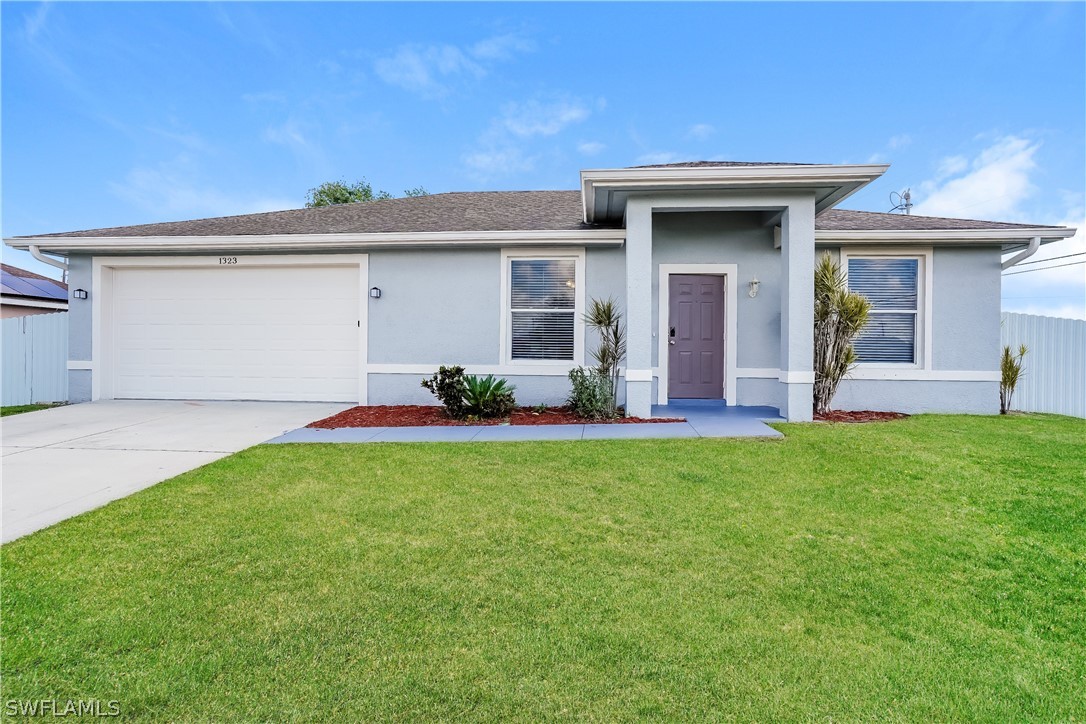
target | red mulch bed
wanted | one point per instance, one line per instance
(859, 416)
(430, 415)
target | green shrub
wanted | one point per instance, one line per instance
(591, 393)
(488, 397)
(449, 386)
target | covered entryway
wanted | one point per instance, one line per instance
(233, 331)
(696, 337)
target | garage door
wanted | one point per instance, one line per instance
(236, 333)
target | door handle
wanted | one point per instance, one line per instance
(671, 341)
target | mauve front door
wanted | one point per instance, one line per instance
(695, 337)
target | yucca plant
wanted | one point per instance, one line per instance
(488, 397)
(1010, 371)
(839, 315)
(605, 317)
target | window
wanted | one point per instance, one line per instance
(894, 286)
(544, 309)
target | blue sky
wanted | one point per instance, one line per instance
(124, 113)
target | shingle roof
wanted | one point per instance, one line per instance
(22, 283)
(476, 211)
(459, 211)
(845, 220)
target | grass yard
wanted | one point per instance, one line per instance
(19, 409)
(928, 569)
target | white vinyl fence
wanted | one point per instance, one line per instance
(35, 359)
(1054, 369)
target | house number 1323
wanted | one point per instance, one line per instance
(228, 260)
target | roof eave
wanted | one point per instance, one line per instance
(1006, 238)
(65, 245)
(603, 188)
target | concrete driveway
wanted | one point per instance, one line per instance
(61, 462)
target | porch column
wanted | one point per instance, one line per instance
(797, 310)
(638, 308)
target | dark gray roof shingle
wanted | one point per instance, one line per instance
(845, 220)
(475, 211)
(459, 211)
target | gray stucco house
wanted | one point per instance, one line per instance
(712, 261)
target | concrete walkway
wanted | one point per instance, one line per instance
(703, 419)
(64, 461)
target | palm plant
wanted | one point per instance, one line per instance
(605, 317)
(1010, 371)
(839, 315)
(488, 397)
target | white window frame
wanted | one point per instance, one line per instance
(542, 254)
(923, 340)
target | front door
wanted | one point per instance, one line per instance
(695, 337)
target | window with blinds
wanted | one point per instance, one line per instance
(892, 285)
(542, 307)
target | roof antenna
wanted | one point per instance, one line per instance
(901, 202)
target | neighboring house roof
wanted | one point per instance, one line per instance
(476, 211)
(719, 164)
(16, 282)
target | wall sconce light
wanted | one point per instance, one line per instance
(754, 284)
(79, 294)
(375, 293)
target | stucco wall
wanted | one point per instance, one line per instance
(79, 326)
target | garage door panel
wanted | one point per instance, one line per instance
(275, 333)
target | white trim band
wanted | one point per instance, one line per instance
(639, 375)
(80, 364)
(796, 377)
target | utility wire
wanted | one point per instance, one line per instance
(1027, 271)
(1041, 261)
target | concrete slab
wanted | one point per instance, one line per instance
(67, 460)
(462, 433)
(648, 431)
(510, 433)
(340, 434)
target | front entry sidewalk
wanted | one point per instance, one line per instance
(704, 418)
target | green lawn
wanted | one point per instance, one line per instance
(19, 409)
(929, 569)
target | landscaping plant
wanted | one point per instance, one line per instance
(449, 386)
(488, 397)
(839, 315)
(604, 317)
(592, 395)
(1010, 371)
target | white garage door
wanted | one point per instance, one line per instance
(236, 333)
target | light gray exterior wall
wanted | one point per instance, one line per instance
(443, 306)
(80, 326)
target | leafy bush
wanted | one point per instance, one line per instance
(449, 386)
(488, 397)
(591, 393)
(1010, 371)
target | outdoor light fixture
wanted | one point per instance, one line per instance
(754, 284)
(80, 294)
(375, 293)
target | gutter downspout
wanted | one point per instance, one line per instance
(1034, 245)
(36, 253)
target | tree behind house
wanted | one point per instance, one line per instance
(333, 193)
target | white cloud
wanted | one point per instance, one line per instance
(700, 131)
(174, 189)
(901, 140)
(991, 186)
(498, 161)
(287, 134)
(431, 70)
(35, 21)
(539, 118)
(590, 148)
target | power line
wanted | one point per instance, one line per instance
(1027, 271)
(1041, 261)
